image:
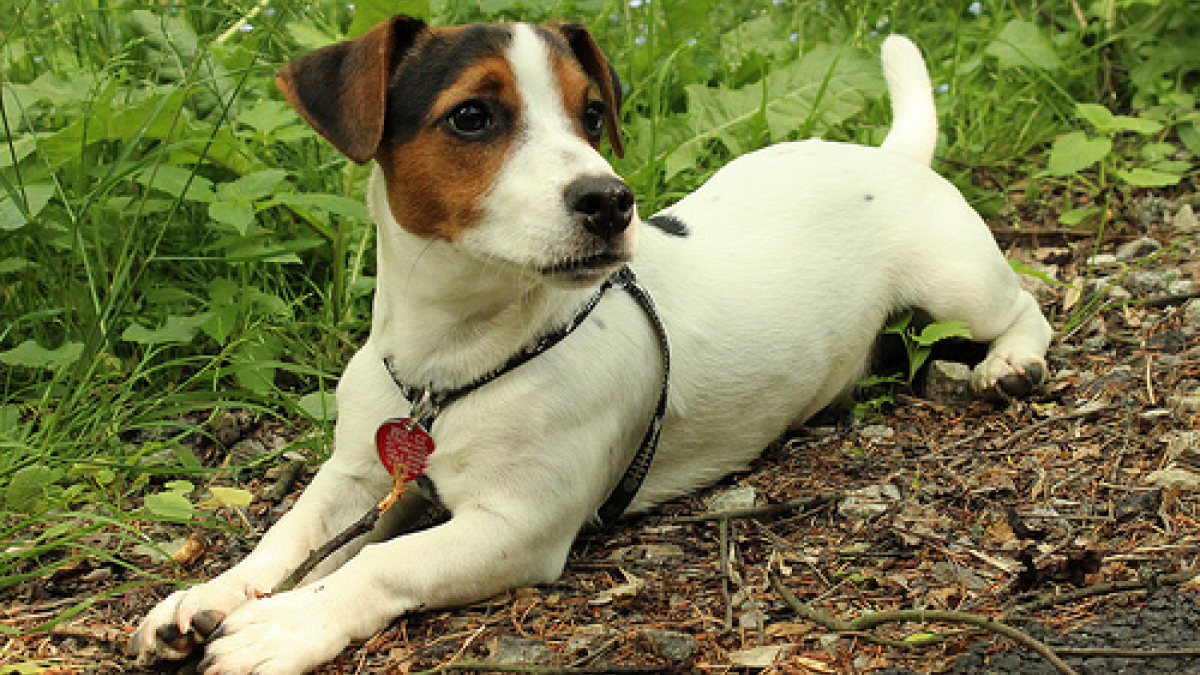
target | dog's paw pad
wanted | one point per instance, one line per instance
(1000, 379)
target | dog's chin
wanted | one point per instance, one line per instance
(584, 271)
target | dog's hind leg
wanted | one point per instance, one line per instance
(961, 275)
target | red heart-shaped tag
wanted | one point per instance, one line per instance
(403, 443)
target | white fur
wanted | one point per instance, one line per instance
(795, 257)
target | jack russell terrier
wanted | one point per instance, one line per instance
(500, 227)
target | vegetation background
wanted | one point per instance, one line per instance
(176, 244)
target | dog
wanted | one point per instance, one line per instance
(498, 221)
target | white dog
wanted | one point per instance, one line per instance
(498, 220)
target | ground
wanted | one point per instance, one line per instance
(1086, 494)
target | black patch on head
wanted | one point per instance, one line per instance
(429, 69)
(669, 224)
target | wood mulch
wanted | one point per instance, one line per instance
(982, 508)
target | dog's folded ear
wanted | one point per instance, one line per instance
(341, 90)
(601, 72)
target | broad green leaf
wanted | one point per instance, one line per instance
(367, 13)
(335, 204)
(14, 215)
(1107, 123)
(268, 116)
(176, 330)
(1076, 216)
(28, 486)
(935, 332)
(179, 182)
(10, 266)
(32, 355)
(1148, 177)
(239, 215)
(1023, 44)
(1075, 152)
(170, 504)
(252, 186)
(225, 497)
(319, 405)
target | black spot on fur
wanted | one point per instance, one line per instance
(669, 224)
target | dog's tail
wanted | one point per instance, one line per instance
(914, 117)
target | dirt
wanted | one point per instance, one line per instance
(1073, 516)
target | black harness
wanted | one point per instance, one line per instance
(428, 402)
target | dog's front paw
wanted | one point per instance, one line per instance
(286, 634)
(178, 625)
(1001, 377)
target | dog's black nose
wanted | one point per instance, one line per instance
(603, 204)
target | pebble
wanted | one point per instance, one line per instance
(1138, 248)
(948, 383)
(871, 501)
(734, 500)
(671, 644)
(1191, 312)
(876, 431)
(1185, 220)
(515, 650)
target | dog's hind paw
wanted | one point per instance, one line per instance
(1001, 378)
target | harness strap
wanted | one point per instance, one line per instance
(429, 402)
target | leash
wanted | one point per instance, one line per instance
(428, 402)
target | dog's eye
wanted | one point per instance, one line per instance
(593, 120)
(471, 120)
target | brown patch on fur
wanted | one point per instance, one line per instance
(436, 180)
(576, 90)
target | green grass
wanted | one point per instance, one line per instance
(175, 243)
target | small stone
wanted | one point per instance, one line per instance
(516, 650)
(876, 431)
(650, 553)
(671, 644)
(1183, 404)
(247, 450)
(734, 500)
(1191, 312)
(1138, 248)
(948, 383)
(1174, 476)
(1102, 259)
(871, 501)
(761, 657)
(1184, 448)
(1185, 220)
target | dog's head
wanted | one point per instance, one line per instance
(488, 137)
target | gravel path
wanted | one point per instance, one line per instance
(1168, 621)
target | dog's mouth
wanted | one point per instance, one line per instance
(587, 268)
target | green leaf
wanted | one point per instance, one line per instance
(1023, 44)
(252, 186)
(319, 405)
(172, 503)
(179, 182)
(935, 332)
(1075, 152)
(28, 487)
(239, 215)
(335, 204)
(32, 355)
(15, 213)
(226, 496)
(1074, 217)
(176, 330)
(1107, 123)
(367, 13)
(1148, 177)
(13, 265)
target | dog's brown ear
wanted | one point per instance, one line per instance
(601, 72)
(341, 90)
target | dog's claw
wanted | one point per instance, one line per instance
(207, 624)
